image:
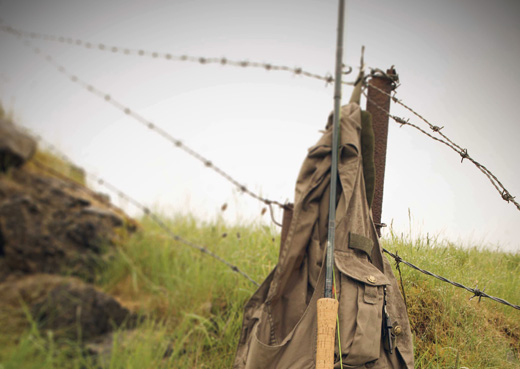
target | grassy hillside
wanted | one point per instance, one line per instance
(192, 304)
(450, 330)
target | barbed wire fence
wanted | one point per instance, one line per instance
(445, 140)
(328, 79)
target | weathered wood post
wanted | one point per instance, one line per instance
(375, 103)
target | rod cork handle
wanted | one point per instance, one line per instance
(327, 312)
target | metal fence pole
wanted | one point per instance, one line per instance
(380, 125)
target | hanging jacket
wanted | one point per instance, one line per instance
(279, 323)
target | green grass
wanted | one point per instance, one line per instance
(192, 305)
(200, 299)
(450, 329)
(61, 167)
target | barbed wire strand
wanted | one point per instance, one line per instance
(138, 205)
(203, 60)
(150, 125)
(504, 193)
(475, 291)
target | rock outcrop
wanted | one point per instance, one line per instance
(16, 147)
(49, 225)
(55, 234)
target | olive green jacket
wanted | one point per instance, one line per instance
(279, 326)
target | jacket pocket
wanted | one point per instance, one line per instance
(262, 355)
(293, 350)
(360, 306)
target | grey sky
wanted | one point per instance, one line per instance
(457, 61)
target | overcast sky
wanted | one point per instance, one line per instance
(457, 61)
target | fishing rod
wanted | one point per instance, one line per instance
(328, 305)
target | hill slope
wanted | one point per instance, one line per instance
(192, 304)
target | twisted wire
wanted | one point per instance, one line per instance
(475, 291)
(140, 206)
(202, 60)
(152, 126)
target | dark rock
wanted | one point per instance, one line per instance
(15, 147)
(76, 309)
(49, 225)
(66, 305)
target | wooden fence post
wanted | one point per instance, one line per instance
(377, 100)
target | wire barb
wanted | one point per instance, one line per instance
(507, 196)
(402, 121)
(477, 293)
(464, 154)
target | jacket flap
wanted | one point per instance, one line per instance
(359, 268)
(359, 242)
